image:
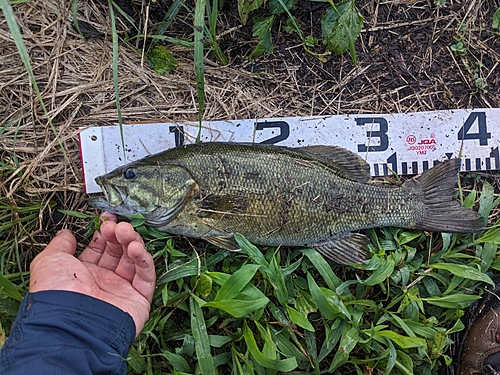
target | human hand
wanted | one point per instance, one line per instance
(114, 268)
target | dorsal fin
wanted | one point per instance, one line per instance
(345, 162)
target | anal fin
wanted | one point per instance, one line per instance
(348, 249)
(227, 242)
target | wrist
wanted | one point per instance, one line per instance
(67, 330)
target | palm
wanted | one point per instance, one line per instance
(117, 290)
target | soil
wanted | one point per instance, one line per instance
(405, 60)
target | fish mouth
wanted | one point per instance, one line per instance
(114, 196)
(113, 200)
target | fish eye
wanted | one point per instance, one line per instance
(129, 174)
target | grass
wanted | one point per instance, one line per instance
(19, 218)
(16, 35)
(281, 310)
(111, 5)
(290, 310)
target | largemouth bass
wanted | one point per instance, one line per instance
(310, 196)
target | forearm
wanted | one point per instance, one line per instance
(60, 332)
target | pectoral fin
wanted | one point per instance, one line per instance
(226, 242)
(345, 250)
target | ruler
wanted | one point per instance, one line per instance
(406, 143)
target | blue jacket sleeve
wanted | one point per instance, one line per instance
(61, 332)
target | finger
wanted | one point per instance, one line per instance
(115, 258)
(93, 252)
(144, 280)
(64, 241)
(125, 235)
(113, 250)
(107, 216)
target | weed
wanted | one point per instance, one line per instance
(287, 309)
(16, 35)
(479, 80)
(495, 24)
(161, 60)
(341, 26)
(459, 48)
(19, 218)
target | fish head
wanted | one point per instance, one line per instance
(157, 192)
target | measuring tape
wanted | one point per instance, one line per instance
(404, 143)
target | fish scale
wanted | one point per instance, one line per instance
(310, 196)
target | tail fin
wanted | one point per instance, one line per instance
(442, 212)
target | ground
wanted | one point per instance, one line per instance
(406, 63)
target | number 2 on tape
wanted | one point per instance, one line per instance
(281, 125)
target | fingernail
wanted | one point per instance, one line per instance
(59, 232)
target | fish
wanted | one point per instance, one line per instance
(317, 197)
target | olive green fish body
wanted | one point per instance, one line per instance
(312, 196)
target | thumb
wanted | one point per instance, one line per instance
(64, 241)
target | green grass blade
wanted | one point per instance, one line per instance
(348, 341)
(178, 42)
(167, 20)
(320, 299)
(454, 301)
(382, 273)
(462, 270)
(324, 269)
(200, 335)
(126, 16)
(250, 250)
(177, 361)
(299, 319)
(312, 350)
(21, 48)
(189, 269)
(403, 342)
(283, 365)
(214, 11)
(211, 30)
(250, 291)
(235, 284)
(199, 64)
(293, 20)
(111, 3)
(74, 13)
(238, 308)
(277, 278)
(7, 125)
(8, 288)
(272, 271)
